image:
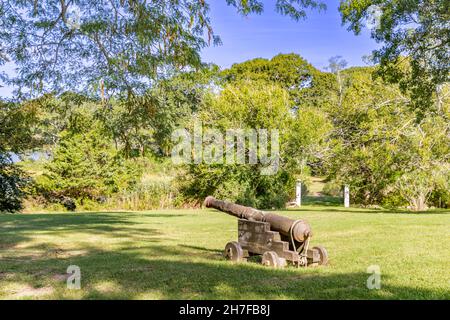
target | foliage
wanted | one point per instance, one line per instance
(155, 188)
(290, 71)
(17, 135)
(96, 147)
(18, 132)
(85, 164)
(144, 196)
(238, 183)
(110, 47)
(244, 105)
(331, 188)
(142, 125)
(296, 9)
(427, 149)
(418, 30)
(379, 147)
(344, 124)
(308, 141)
(12, 185)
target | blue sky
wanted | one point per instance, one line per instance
(317, 38)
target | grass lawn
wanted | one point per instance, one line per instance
(177, 254)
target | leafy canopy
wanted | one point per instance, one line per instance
(110, 46)
(415, 38)
(290, 71)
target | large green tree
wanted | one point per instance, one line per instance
(256, 104)
(290, 71)
(84, 162)
(415, 43)
(142, 125)
(17, 135)
(379, 147)
(110, 46)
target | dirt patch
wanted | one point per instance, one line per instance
(28, 291)
(7, 246)
(60, 277)
(107, 287)
(62, 254)
(56, 253)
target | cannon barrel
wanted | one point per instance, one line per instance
(298, 229)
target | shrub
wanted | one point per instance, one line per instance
(12, 186)
(86, 166)
(236, 183)
(332, 188)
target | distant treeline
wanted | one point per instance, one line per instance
(344, 124)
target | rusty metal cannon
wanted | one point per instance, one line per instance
(280, 240)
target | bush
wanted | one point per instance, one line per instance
(242, 184)
(394, 200)
(332, 188)
(12, 184)
(247, 105)
(440, 198)
(86, 166)
(69, 204)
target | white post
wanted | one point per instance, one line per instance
(346, 196)
(298, 193)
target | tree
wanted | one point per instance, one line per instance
(17, 135)
(110, 46)
(12, 185)
(380, 148)
(336, 65)
(290, 71)
(245, 105)
(242, 105)
(425, 168)
(143, 124)
(358, 156)
(84, 163)
(416, 43)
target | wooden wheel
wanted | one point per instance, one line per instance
(323, 255)
(234, 252)
(271, 259)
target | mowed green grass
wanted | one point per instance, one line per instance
(177, 254)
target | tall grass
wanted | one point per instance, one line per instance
(156, 194)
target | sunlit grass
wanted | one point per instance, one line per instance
(178, 254)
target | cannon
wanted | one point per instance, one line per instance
(280, 240)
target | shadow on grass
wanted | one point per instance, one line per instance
(158, 270)
(132, 276)
(16, 229)
(322, 200)
(201, 249)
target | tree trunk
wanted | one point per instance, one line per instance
(419, 203)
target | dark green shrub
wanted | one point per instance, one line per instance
(241, 184)
(12, 184)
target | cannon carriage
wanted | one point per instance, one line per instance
(280, 240)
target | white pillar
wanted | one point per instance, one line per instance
(298, 193)
(346, 196)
